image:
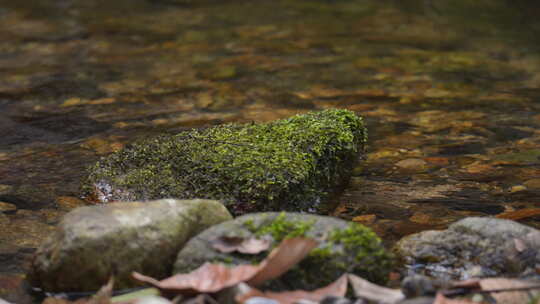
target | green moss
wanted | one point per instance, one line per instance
(287, 164)
(281, 228)
(366, 248)
(353, 249)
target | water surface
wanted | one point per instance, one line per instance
(450, 91)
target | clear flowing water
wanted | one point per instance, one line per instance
(450, 91)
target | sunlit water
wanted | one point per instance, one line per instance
(449, 91)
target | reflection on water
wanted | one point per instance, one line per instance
(450, 91)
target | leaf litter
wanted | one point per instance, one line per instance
(228, 244)
(210, 278)
(203, 284)
(337, 289)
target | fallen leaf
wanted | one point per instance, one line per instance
(210, 278)
(441, 161)
(365, 219)
(367, 290)
(520, 245)
(227, 244)
(341, 209)
(284, 257)
(422, 218)
(469, 284)
(337, 289)
(441, 299)
(321, 92)
(496, 285)
(103, 296)
(519, 214)
(477, 167)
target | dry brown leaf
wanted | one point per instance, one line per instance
(523, 296)
(519, 214)
(367, 290)
(365, 218)
(229, 244)
(337, 288)
(210, 278)
(441, 299)
(281, 259)
(341, 209)
(469, 284)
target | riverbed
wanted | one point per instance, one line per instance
(449, 91)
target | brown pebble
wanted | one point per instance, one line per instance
(412, 164)
(69, 202)
(7, 207)
(365, 219)
(532, 183)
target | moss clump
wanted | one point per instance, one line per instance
(287, 164)
(352, 248)
(280, 228)
(365, 252)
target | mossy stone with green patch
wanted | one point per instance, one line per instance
(288, 164)
(344, 247)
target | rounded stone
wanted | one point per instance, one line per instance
(95, 242)
(532, 183)
(7, 207)
(343, 247)
(414, 164)
(489, 246)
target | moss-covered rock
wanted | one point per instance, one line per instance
(343, 247)
(287, 164)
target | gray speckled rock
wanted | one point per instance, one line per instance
(473, 247)
(344, 247)
(91, 243)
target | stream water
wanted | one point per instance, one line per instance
(450, 92)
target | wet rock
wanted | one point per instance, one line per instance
(344, 247)
(287, 164)
(532, 183)
(418, 285)
(69, 202)
(5, 189)
(412, 164)
(28, 196)
(461, 148)
(219, 72)
(4, 220)
(435, 120)
(473, 247)
(93, 243)
(7, 207)
(526, 157)
(50, 128)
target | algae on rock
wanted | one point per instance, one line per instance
(288, 164)
(344, 247)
